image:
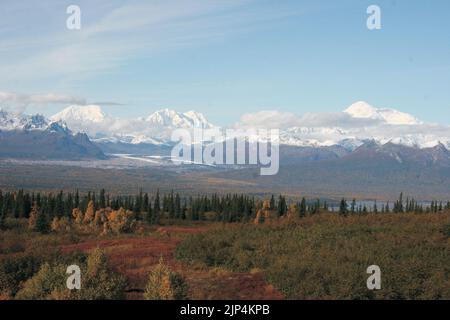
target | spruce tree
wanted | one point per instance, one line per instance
(272, 203)
(1, 200)
(398, 207)
(353, 206)
(149, 216)
(76, 202)
(102, 199)
(177, 206)
(144, 205)
(156, 209)
(282, 207)
(2, 218)
(156, 206)
(343, 208)
(171, 205)
(59, 206)
(303, 208)
(42, 223)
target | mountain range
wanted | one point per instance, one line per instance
(311, 136)
(35, 137)
(155, 129)
(361, 151)
(350, 129)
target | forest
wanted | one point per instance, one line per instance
(220, 246)
(150, 208)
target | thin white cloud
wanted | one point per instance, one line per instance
(113, 33)
(283, 120)
(268, 119)
(19, 102)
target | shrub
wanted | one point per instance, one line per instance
(33, 218)
(78, 216)
(101, 282)
(446, 230)
(325, 256)
(98, 280)
(90, 213)
(105, 220)
(15, 270)
(11, 246)
(164, 284)
(121, 221)
(49, 281)
(61, 225)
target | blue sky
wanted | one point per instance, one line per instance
(225, 57)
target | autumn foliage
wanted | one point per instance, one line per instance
(105, 221)
(165, 284)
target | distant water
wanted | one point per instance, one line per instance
(370, 204)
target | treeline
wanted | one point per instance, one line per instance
(399, 206)
(147, 207)
(151, 207)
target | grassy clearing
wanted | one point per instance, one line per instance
(326, 256)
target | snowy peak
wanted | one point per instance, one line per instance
(381, 125)
(155, 129)
(198, 119)
(363, 110)
(11, 121)
(77, 113)
(166, 118)
(173, 119)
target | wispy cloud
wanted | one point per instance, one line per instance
(112, 33)
(283, 120)
(19, 102)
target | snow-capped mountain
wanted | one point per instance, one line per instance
(357, 124)
(36, 137)
(77, 114)
(318, 137)
(174, 119)
(354, 126)
(363, 110)
(154, 129)
(362, 122)
(11, 121)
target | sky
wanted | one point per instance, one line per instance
(226, 57)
